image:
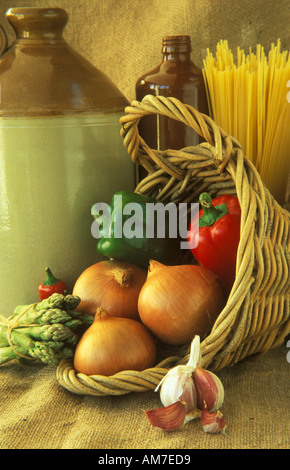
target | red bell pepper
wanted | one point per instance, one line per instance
(218, 227)
(51, 285)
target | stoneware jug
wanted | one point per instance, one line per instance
(60, 153)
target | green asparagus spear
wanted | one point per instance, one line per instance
(64, 302)
(56, 332)
(48, 355)
(16, 338)
(60, 301)
(71, 318)
(8, 354)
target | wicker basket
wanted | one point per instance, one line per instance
(256, 317)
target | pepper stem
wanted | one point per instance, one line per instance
(211, 213)
(50, 279)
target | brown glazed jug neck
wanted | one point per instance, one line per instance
(41, 75)
(38, 23)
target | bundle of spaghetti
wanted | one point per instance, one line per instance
(247, 96)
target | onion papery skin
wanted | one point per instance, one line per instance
(178, 302)
(113, 285)
(113, 344)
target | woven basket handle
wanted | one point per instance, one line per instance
(217, 140)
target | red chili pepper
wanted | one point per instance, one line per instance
(50, 286)
(219, 235)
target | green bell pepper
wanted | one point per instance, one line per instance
(130, 233)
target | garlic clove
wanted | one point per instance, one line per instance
(213, 422)
(209, 389)
(168, 418)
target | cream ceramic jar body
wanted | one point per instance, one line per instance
(52, 171)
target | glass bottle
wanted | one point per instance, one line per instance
(175, 76)
(61, 152)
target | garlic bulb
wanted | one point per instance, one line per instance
(188, 392)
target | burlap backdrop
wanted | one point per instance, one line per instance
(123, 37)
(36, 413)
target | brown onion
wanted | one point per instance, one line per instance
(178, 302)
(113, 285)
(114, 344)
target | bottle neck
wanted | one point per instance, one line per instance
(32, 23)
(176, 48)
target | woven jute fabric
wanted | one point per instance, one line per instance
(37, 413)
